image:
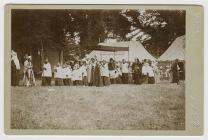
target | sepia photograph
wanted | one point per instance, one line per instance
(98, 69)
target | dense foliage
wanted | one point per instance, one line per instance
(33, 30)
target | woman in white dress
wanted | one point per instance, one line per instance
(112, 71)
(68, 72)
(83, 69)
(76, 75)
(47, 73)
(105, 73)
(58, 75)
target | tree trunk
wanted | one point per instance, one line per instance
(61, 56)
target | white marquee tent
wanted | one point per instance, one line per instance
(175, 51)
(128, 50)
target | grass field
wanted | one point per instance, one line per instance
(117, 107)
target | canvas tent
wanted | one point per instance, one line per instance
(128, 50)
(175, 51)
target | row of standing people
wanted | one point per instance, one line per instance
(98, 73)
(91, 72)
(88, 72)
(79, 73)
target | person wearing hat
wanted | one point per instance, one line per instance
(47, 73)
(29, 78)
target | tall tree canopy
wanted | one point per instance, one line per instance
(86, 28)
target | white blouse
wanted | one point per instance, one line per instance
(47, 70)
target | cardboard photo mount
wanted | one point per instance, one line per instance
(194, 83)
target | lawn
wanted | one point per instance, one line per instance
(117, 107)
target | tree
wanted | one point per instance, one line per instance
(163, 26)
(32, 29)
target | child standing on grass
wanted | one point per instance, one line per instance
(105, 73)
(125, 71)
(77, 75)
(64, 73)
(68, 72)
(148, 73)
(83, 70)
(58, 75)
(151, 78)
(118, 75)
(145, 73)
(47, 73)
(29, 78)
(112, 71)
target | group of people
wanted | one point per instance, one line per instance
(91, 72)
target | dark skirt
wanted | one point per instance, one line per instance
(77, 83)
(58, 82)
(136, 78)
(85, 81)
(112, 81)
(67, 82)
(175, 77)
(125, 79)
(106, 81)
(119, 80)
(14, 77)
(130, 78)
(97, 80)
(46, 81)
(151, 80)
(144, 79)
